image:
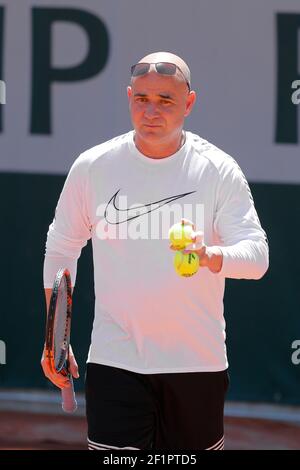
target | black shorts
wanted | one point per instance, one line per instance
(127, 410)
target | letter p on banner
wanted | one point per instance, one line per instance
(44, 74)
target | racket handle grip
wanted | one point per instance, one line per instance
(69, 403)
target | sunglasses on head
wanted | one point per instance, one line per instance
(163, 68)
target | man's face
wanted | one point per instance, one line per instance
(158, 106)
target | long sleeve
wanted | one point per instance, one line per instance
(70, 229)
(244, 243)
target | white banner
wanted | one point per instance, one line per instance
(66, 66)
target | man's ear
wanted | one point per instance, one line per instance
(129, 92)
(190, 101)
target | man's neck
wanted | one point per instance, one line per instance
(159, 151)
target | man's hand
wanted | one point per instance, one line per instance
(209, 256)
(60, 380)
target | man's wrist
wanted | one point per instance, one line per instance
(215, 257)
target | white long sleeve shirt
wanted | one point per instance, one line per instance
(147, 318)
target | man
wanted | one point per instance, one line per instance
(157, 365)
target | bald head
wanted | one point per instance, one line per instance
(169, 57)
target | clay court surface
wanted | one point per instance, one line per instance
(27, 430)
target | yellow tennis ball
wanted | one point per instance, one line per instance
(186, 264)
(180, 236)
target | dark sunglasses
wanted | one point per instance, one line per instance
(163, 68)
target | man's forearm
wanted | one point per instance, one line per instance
(247, 259)
(52, 263)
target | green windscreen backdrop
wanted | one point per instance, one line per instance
(262, 316)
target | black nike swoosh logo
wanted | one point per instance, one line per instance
(124, 214)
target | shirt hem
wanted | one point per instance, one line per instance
(166, 370)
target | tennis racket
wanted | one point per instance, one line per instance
(58, 328)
